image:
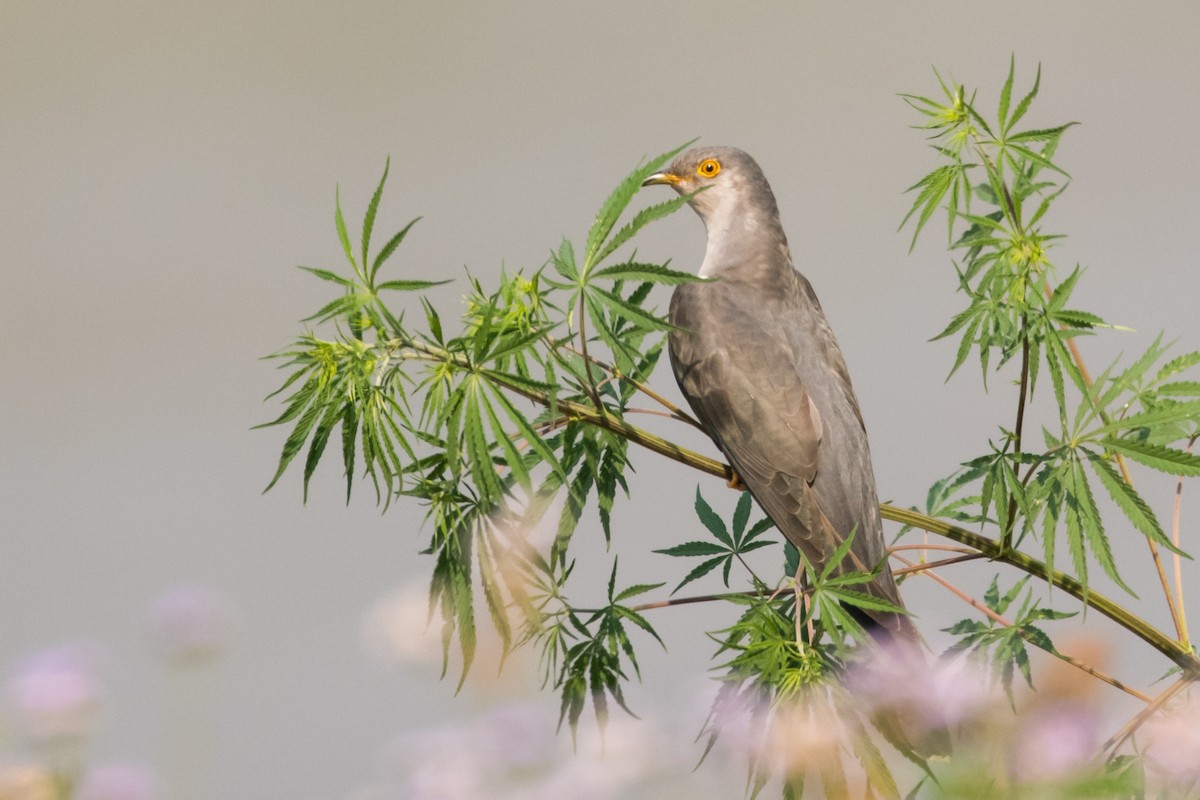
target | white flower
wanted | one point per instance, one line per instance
(117, 782)
(191, 624)
(56, 694)
(396, 630)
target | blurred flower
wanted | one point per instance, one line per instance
(117, 782)
(1055, 741)
(26, 783)
(942, 693)
(1171, 742)
(191, 624)
(56, 694)
(396, 629)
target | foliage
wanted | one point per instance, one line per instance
(519, 416)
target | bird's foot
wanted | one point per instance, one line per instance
(734, 481)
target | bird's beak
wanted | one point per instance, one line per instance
(662, 177)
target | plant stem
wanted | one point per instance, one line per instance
(587, 364)
(1006, 536)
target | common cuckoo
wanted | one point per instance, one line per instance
(761, 369)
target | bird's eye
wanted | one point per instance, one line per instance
(709, 168)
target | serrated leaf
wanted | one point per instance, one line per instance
(711, 521)
(391, 246)
(340, 221)
(408, 285)
(1168, 412)
(700, 571)
(635, 590)
(652, 273)
(320, 439)
(623, 308)
(329, 275)
(369, 218)
(1023, 106)
(1163, 459)
(694, 548)
(616, 203)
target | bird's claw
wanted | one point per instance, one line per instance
(734, 480)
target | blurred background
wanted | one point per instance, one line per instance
(166, 165)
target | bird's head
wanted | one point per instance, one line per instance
(726, 182)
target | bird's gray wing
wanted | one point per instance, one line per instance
(743, 377)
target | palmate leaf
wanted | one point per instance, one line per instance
(727, 547)
(933, 188)
(616, 203)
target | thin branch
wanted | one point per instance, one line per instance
(587, 366)
(921, 567)
(1129, 728)
(1074, 662)
(949, 548)
(1011, 520)
(1176, 558)
(676, 412)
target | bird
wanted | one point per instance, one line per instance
(759, 365)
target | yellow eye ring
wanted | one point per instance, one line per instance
(708, 168)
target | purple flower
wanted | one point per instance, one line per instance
(117, 782)
(56, 694)
(191, 624)
(1055, 742)
(1172, 743)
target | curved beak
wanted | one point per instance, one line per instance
(660, 178)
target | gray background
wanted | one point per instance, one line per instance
(164, 166)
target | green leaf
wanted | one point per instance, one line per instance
(340, 221)
(1163, 459)
(694, 548)
(1177, 365)
(616, 203)
(295, 441)
(700, 571)
(369, 219)
(408, 286)
(741, 515)
(1128, 500)
(635, 590)
(653, 273)
(627, 310)
(327, 275)
(710, 520)
(1168, 412)
(1023, 106)
(349, 439)
(1006, 95)
(640, 220)
(1093, 526)
(390, 247)
(933, 188)
(320, 438)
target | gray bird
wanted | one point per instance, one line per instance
(761, 369)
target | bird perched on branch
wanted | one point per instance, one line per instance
(763, 372)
